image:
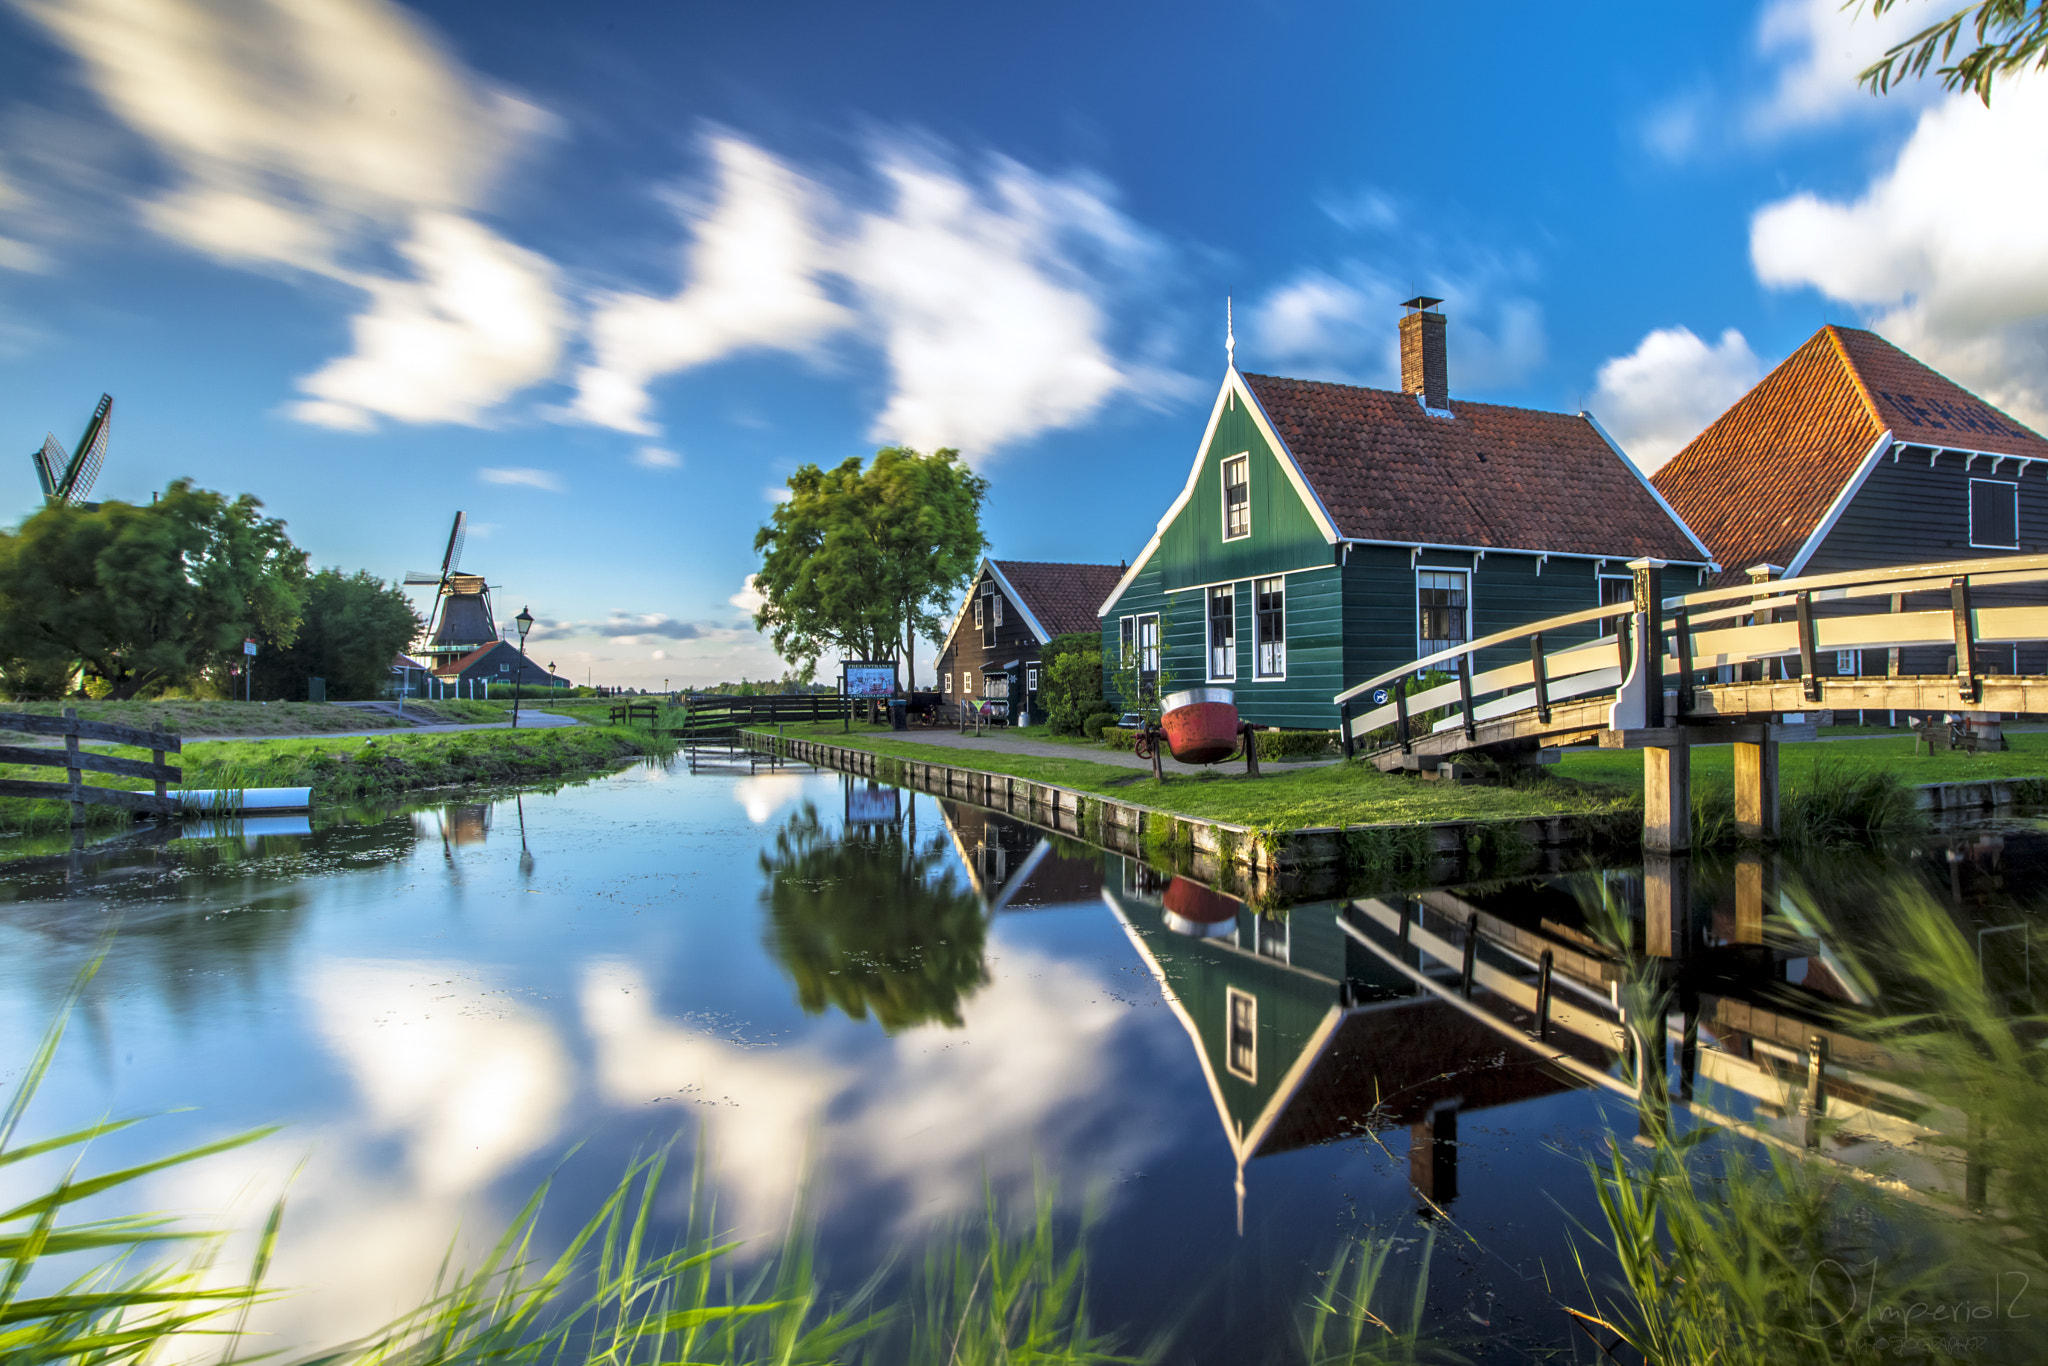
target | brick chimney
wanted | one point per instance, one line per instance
(1423, 369)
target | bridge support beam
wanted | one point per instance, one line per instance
(1667, 798)
(1667, 905)
(1756, 788)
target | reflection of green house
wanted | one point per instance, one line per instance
(1305, 1035)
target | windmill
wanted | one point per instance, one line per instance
(461, 620)
(68, 478)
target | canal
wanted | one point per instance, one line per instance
(888, 1010)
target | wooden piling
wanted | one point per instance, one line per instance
(1756, 788)
(1667, 798)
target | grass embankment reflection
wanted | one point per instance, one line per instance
(362, 768)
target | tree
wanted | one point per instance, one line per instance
(351, 627)
(145, 597)
(2010, 35)
(866, 920)
(863, 561)
(1072, 690)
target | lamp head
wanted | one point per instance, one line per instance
(524, 621)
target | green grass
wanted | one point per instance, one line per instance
(1893, 754)
(190, 717)
(357, 768)
(1333, 794)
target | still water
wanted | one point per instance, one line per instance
(891, 1005)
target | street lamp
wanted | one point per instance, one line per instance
(524, 621)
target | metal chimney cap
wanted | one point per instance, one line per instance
(1421, 301)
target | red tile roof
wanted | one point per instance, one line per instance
(1062, 596)
(1488, 476)
(1756, 483)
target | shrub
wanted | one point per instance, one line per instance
(1296, 744)
(1071, 690)
(1092, 727)
(1116, 737)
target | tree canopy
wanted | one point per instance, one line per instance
(863, 560)
(147, 596)
(351, 626)
(2008, 36)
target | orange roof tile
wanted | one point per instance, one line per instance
(1062, 596)
(1756, 483)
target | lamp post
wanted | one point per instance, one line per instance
(524, 621)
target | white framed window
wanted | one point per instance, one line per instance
(1237, 497)
(1241, 1011)
(996, 605)
(1615, 591)
(1443, 609)
(1031, 678)
(967, 682)
(1148, 645)
(977, 612)
(1845, 663)
(1223, 633)
(1994, 514)
(1268, 627)
(1269, 619)
(949, 683)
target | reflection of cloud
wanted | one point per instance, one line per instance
(469, 1083)
(765, 795)
(931, 1112)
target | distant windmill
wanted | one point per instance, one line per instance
(462, 619)
(68, 478)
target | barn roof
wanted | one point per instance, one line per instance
(1488, 477)
(1062, 597)
(1758, 483)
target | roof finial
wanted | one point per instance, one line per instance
(1229, 336)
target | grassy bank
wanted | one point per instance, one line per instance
(193, 719)
(1890, 754)
(360, 768)
(1283, 799)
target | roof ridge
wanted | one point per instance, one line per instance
(1404, 394)
(1877, 422)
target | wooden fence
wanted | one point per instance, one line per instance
(76, 763)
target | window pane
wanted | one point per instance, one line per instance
(1615, 592)
(1237, 498)
(1994, 514)
(1223, 632)
(1439, 610)
(1270, 600)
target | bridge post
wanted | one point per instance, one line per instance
(1756, 788)
(1667, 904)
(1650, 621)
(1667, 798)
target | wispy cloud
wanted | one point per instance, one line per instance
(530, 478)
(657, 458)
(984, 290)
(312, 137)
(1820, 47)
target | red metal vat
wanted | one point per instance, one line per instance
(1199, 912)
(1200, 724)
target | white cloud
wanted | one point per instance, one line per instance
(777, 493)
(749, 598)
(535, 479)
(753, 281)
(1665, 392)
(1822, 46)
(657, 458)
(309, 135)
(1342, 326)
(1944, 251)
(983, 295)
(480, 321)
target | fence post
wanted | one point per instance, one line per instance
(71, 770)
(1344, 727)
(156, 756)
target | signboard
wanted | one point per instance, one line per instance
(1379, 697)
(869, 680)
(248, 647)
(872, 803)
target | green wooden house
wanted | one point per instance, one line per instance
(1329, 532)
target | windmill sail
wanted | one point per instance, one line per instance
(462, 620)
(68, 478)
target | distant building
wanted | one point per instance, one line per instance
(1012, 611)
(1328, 533)
(1851, 455)
(498, 664)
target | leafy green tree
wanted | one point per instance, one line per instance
(863, 560)
(1072, 685)
(352, 626)
(148, 596)
(867, 921)
(2008, 36)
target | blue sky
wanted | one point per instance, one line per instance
(602, 276)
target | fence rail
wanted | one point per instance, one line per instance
(77, 763)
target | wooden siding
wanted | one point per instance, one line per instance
(1909, 512)
(1284, 535)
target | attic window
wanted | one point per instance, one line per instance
(1994, 514)
(1237, 497)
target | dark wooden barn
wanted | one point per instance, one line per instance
(1013, 610)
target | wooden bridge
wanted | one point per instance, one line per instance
(1643, 685)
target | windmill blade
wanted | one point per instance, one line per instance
(50, 462)
(92, 451)
(420, 576)
(456, 542)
